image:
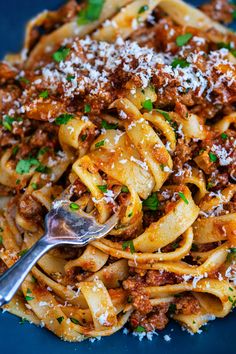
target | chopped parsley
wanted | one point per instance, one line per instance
(147, 104)
(234, 14)
(83, 137)
(23, 166)
(183, 39)
(172, 309)
(21, 253)
(224, 136)
(102, 187)
(1, 240)
(74, 206)
(63, 118)
(165, 114)
(213, 157)
(24, 80)
(152, 202)
(128, 244)
(182, 63)
(124, 189)
(194, 247)
(109, 126)
(87, 108)
(7, 122)
(209, 185)
(91, 12)
(34, 186)
(23, 320)
(29, 297)
(100, 143)
(15, 150)
(61, 54)
(143, 9)
(182, 196)
(140, 329)
(70, 77)
(42, 150)
(44, 94)
(130, 214)
(175, 245)
(60, 319)
(74, 320)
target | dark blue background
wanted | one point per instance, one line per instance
(218, 336)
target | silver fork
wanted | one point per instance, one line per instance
(62, 227)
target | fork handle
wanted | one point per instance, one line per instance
(11, 280)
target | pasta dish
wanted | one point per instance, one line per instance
(132, 105)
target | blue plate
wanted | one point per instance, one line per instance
(217, 337)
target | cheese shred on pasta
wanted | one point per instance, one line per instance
(132, 104)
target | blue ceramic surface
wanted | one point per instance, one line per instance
(217, 337)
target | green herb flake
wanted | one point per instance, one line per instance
(33, 279)
(34, 186)
(224, 136)
(70, 77)
(24, 80)
(175, 245)
(143, 9)
(18, 181)
(23, 252)
(147, 104)
(1, 240)
(87, 108)
(109, 126)
(60, 319)
(194, 247)
(74, 320)
(140, 329)
(74, 206)
(102, 187)
(28, 297)
(7, 122)
(178, 62)
(231, 289)
(44, 94)
(182, 196)
(91, 12)
(128, 244)
(61, 54)
(42, 151)
(15, 150)
(23, 320)
(83, 137)
(152, 202)
(234, 14)
(42, 169)
(213, 157)
(100, 143)
(172, 309)
(23, 166)
(130, 214)
(183, 39)
(63, 118)
(165, 115)
(209, 185)
(124, 189)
